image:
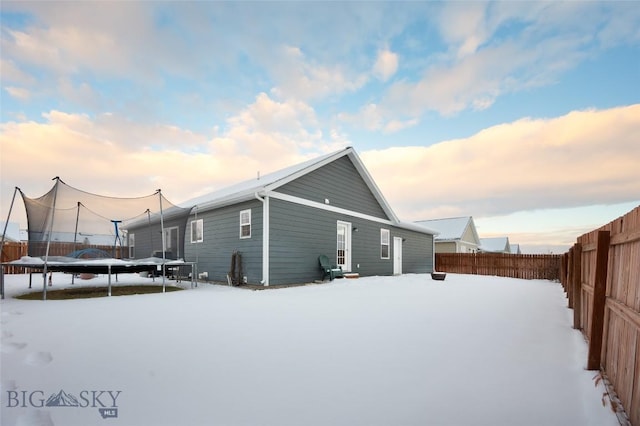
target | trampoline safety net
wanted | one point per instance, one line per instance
(67, 220)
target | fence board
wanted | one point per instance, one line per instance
(620, 352)
(634, 410)
(599, 301)
(575, 286)
(526, 266)
(15, 250)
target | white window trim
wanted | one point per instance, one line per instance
(245, 224)
(346, 267)
(384, 232)
(199, 223)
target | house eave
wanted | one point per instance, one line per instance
(237, 198)
(418, 228)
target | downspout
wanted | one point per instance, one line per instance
(265, 239)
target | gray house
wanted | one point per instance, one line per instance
(495, 245)
(280, 223)
(455, 234)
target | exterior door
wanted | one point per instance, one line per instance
(397, 256)
(343, 246)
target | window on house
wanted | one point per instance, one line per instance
(197, 231)
(132, 245)
(384, 243)
(245, 223)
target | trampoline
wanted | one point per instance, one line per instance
(63, 222)
(105, 266)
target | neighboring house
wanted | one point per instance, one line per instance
(495, 245)
(515, 248)
(280, 223)
(455, 234)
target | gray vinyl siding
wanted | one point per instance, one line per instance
(221, 236)
(149, 239)
(299, 234)
(341, 184)
(417, 251)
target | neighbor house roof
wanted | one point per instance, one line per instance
(262, 185)
(495, 244)
(452, 228)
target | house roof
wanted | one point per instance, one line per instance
(261, 186)
(452, 228)
(495, 244)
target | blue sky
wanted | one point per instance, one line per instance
(525, 115)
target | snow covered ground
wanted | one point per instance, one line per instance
(389, 351)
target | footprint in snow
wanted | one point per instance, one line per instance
(8, 348)
(35, 418)
(6, 314)
(10, 386)
(6, 334)
(38, 359)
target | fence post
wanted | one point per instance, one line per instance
(565, 262)
(576, 285)
(569, 280)
(599, 299)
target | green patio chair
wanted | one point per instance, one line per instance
(329, 269)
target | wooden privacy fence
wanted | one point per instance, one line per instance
(15, 250)
(527, 266)
(601, 275)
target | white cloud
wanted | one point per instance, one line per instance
(109, 154)
(271, 129)
(386, 65)
(373, 117)
(475, 81)
(491, 49)
(622, 26)
(482, 63)
(19, 93)
(80, 94)
(463, 26)
(11, 73)
(107, 39)
(582, 158)
(300, 78)
(397, 125)
(370, 117)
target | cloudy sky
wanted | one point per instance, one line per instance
(524, 115)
